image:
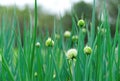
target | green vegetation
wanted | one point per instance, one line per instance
(36, 57)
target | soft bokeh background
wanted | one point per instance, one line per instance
(59, 10)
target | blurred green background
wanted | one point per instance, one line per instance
(79, 10)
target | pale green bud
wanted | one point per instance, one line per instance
(57, 36)
(54, 75)
(74, 38)
(49, 42)
(84, 30)
(67, 34)
(37, 44)
(35, 74)
(101, 30)
(87, 50)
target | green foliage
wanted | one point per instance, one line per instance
(23, 61)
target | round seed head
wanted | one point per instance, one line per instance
(71, 53)
(49, 42)
(81, 23)
(87, 50)
(67, 34)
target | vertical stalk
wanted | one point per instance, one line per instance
(34, 39)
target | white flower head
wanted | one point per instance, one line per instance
(71, 53)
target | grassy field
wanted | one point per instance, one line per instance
(59, 56)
